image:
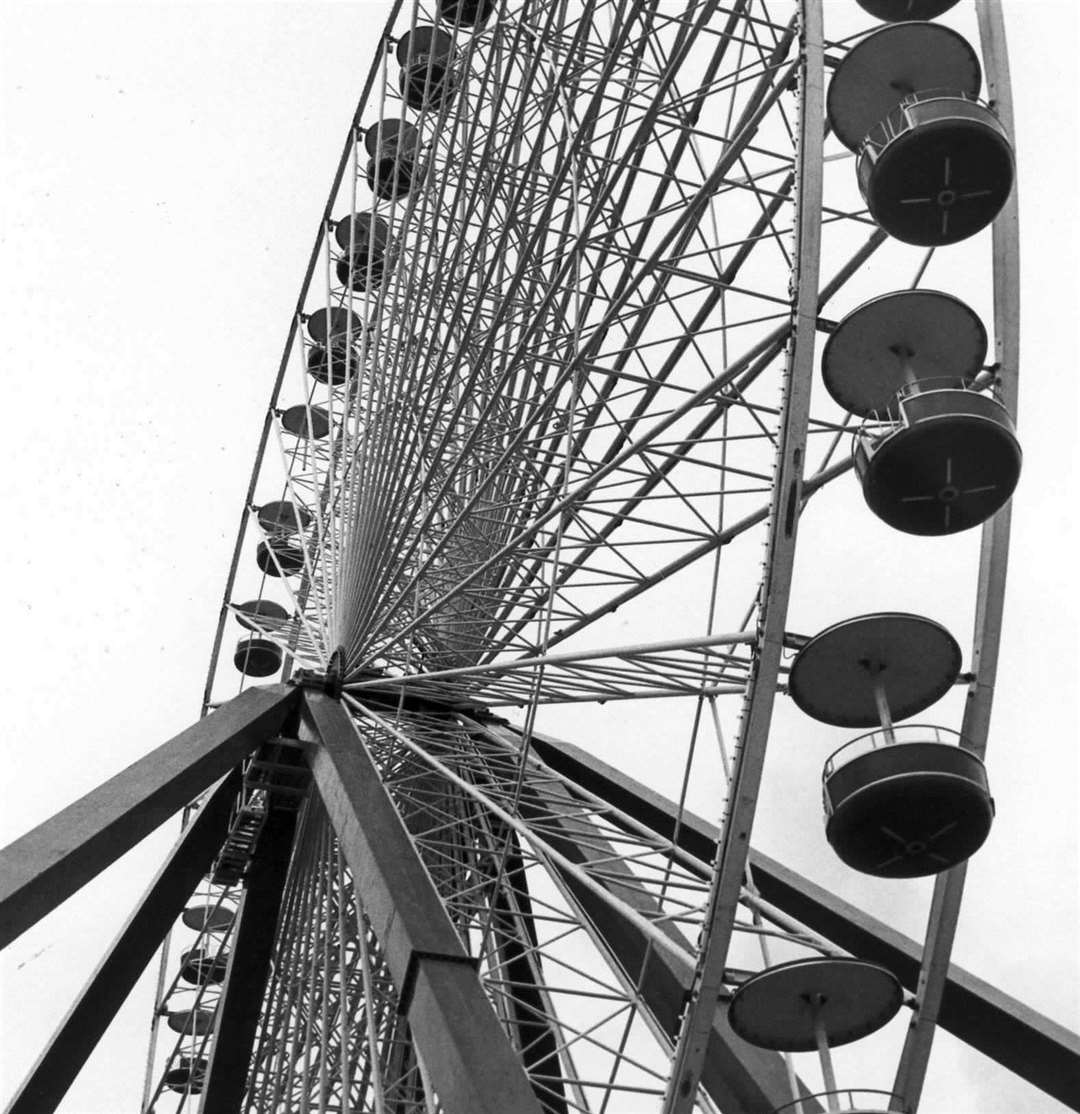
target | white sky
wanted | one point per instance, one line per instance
(164, 167)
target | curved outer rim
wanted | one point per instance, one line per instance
(734, 843)
(993, 563)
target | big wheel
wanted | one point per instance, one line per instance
(613, 305)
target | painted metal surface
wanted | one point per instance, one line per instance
(466, 1053)
(47, 865)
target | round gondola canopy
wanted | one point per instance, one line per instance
(331, 324)
(278, 559)
(197, 1022)
(397, 133)
(257, 657)
(209, 918)
(900, 11)
(189, 1075)
(360, 230)
(466, 13)
(890, 64)
(780, 1007)
(422, 42)
(311, 422)
(283, 517)
(897, 337)
(255, 614)
(833, 677)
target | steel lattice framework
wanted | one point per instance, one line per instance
(545, 442)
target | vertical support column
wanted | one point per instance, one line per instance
(465, 1051)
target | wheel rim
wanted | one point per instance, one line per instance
(473, 556)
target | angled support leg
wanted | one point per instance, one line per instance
(47, 865)
(125, 961)
(740, 1078)
(464, 1050)
(1029, 1044)
(237, 1014)
(513, 927)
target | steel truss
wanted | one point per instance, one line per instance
(572, 393)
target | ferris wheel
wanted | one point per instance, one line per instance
(633, 333)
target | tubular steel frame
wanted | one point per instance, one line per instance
(581, 373)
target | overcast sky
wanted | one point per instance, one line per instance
(164, 169)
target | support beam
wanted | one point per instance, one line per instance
(238, 1009)
(465, 1051)
(1029, 1044)
(47, 865)
(738, 1077)
(125, 961)
(515, 933)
